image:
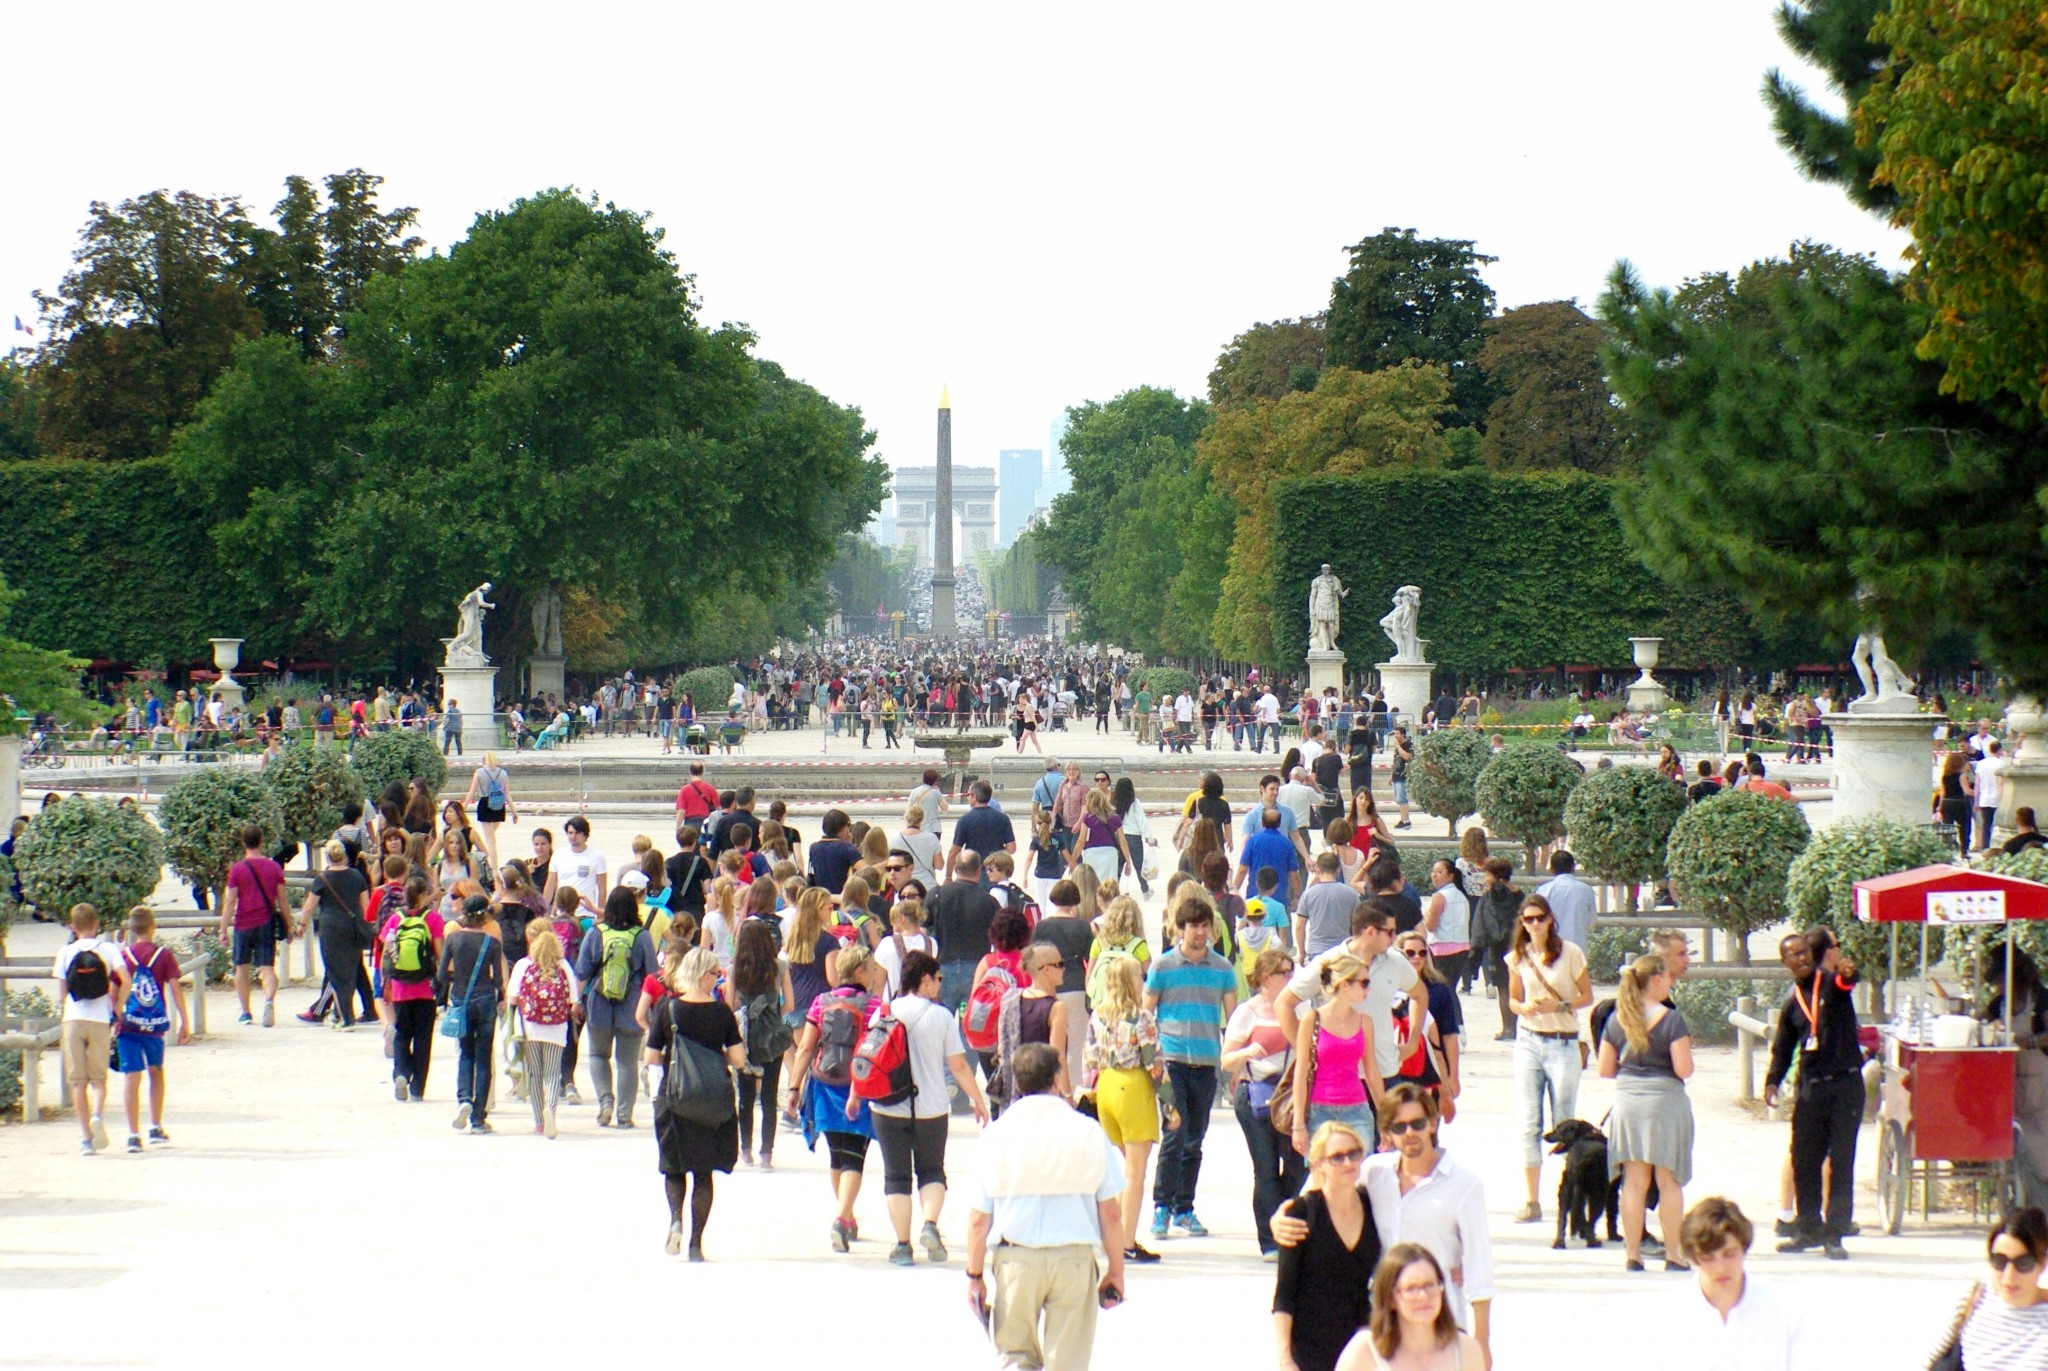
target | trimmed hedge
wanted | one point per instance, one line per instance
(1444, 778)
(401, 755)
(708, 687)
(1820, 888)
(89, 851)
(1516, 570)
(202, 818)
(1163, 681)
(1728, 859)
(1523, 791)
(311, 785)
(1620, 819)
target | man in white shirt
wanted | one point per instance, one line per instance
(581, 867)
(1990, 769)
(1420, 1195)
(1571, 899)
(88, 964)
(1266, 715)
(1392, 976)
(1726, 1317)
(1301, 795)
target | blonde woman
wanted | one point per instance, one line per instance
(1089, 883)
(1331, 1045)
(490, 790)
(721, 919)
(1103, 849)
(1322, 1292)
(921, 844)
(544, 990)
(906, 935)
(1119, 936)
(690, 1152)
(1646, 1050)
(1122, 1057)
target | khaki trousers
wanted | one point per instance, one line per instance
(1045, 1307)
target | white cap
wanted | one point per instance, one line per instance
(634, 880)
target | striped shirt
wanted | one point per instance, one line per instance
(1192, 996)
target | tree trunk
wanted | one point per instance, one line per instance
(1738, 948)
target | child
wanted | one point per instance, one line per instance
(721, 919)
(1269, 908)
(999, 868)
(94, 978)
(152, 974)
(1048, 861)
(569, 930)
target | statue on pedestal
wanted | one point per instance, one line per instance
(466, 648)
(1402, 623)
(1886, 687)
(1325, 605)
(547, 623)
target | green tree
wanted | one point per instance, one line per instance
(1268, 361)
(20, 403)
(1835, 36)
(143, 323)
(1728, 857)
(315, 268)
(1795, 450)
(311, 785)
(1445, 777)
(1014, 580)
(1353, 421)
(1620, 820)
(33, 679)
(202, 817)
(1820, 886)
(1551, 407)
(864, 574)
(485, 411)
(1960, 120)
(1415, 299)
(89, 851)
(401, 756)
(1523, 792)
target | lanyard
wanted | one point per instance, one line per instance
(1812, 1011)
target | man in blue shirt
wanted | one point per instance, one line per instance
(982, 829)
(1192, 991)
(1270, 846)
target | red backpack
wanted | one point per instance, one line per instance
(544, 999)
(881, 1064)
(981, 1022)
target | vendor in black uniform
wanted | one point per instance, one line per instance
(1819, 1023)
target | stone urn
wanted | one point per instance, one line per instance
(2025, 717)
(227, 655)
(1646, 692)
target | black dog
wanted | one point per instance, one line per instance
(1585, 1189)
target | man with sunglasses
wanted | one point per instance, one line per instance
(1819, 1023)
(1420, 1195)
(1371, 941)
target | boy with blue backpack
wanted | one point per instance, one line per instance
(153, 985)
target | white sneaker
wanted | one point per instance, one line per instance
(99, 1133)
(548, 1121)
(270, 1013)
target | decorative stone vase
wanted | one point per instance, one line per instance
(227, 655)
(1646, 692)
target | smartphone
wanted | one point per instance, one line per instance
(1110, 1297)
(977, 1300)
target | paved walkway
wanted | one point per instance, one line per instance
(295, 1177)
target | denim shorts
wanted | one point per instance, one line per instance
(256, 946)
(1400, 792)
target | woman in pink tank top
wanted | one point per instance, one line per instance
(1333, 1041)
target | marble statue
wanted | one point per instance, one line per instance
(1401, 624)
(1325, 605)
(547, 623)
(466, 648)
(1886, 687)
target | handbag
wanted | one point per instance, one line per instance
(1282, 1107)
(280, 931)
(1950, 1357)
(696, 1083)
(455, 1023)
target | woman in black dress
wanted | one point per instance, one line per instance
(1323, 1294)
(690, 1152)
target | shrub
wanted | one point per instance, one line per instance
(206, 947)
(1163, 680)
(202, 818)
(1620, 820)
(311, 785)
(1443, 779)
(24, 1004)
(2030, 865)
(1611, 948)
(1707, 1004)
(708, 687)
(1820, 888)
(402, 755)
(1522, 793)
(1728, 857)
(89, 851)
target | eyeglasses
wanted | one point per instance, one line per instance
(1532, 920)
(1400, 1126)
(1416, 1292)
(2025, 1264)
(1350, 1156)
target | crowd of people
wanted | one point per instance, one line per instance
(746, 987)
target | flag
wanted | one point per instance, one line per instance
(20, 327)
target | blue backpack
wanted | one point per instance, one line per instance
(145, 1011)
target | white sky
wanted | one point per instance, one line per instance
(1036, 205)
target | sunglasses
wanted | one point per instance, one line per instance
(1532, 920)
(1415, 954)
(1057, 966)
(1102, 780)
(1400, 1126)
(2026, 1265)
(897, 867)
(1350, 1156)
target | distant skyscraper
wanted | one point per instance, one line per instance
(1057, 481)
(1019, 473)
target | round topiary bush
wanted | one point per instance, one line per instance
(1728, 857)
(1619, 821)
(709, 687)
(311, 785)
(202, 818)
(1163, 681)
(86, 851)
(402, 755)
(1522, 793)
(2030, 865)
(1821, 886)
(1610, 948)
(1444, 777)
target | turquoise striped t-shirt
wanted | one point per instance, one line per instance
(1191, 997)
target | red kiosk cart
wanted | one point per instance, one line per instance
(1945, 1110)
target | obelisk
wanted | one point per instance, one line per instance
(943, 625)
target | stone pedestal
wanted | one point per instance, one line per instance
(1406, 685)
(10, 780)
(1883, 764)
(1325, 669)
(473, 690)
(545, 676)
(2026, 774)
